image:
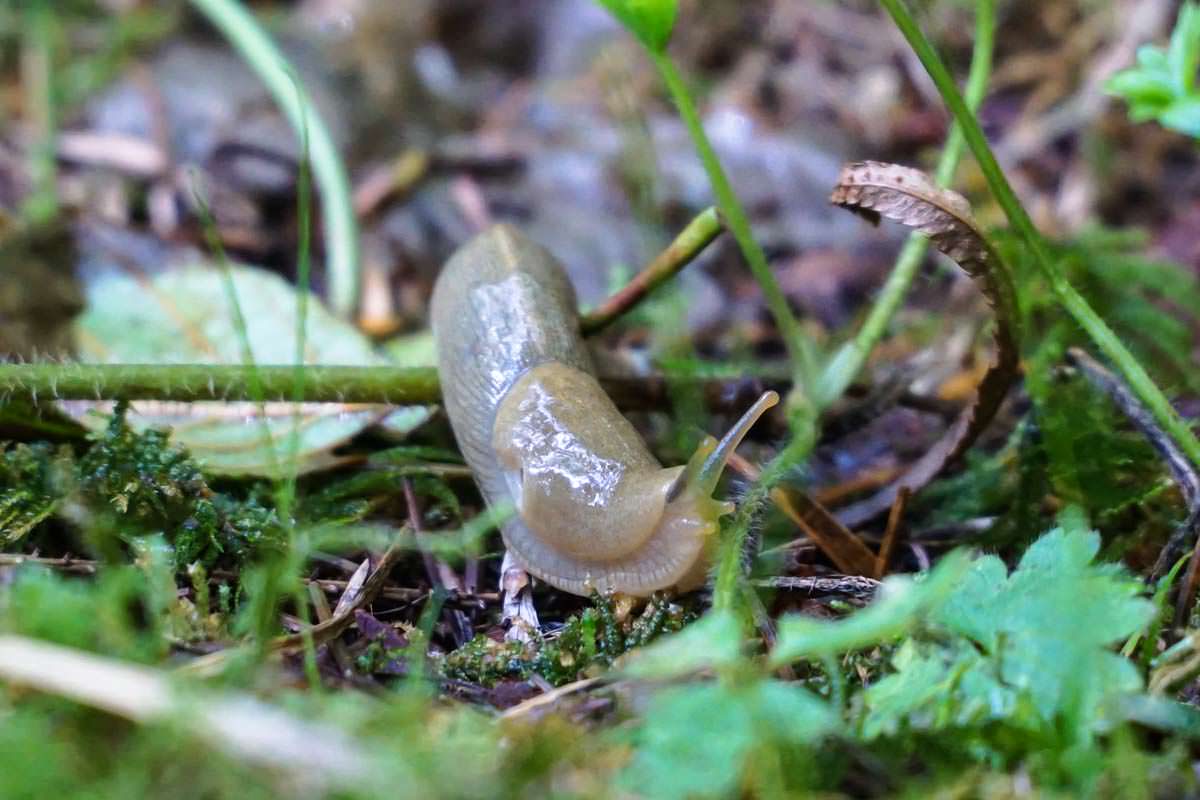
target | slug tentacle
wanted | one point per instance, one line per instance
(595, 510)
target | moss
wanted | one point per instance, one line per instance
(33, 480)
(588, 641)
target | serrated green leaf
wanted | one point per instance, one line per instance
(902, 603)
(1041, 636)
(651, 21)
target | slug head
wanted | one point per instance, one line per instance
(691, 508)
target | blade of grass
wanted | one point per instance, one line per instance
(281, 568)
(846, 364)
(341, 228)
(286, 493)
(37, 80)
(248, 366)
(1100, 333)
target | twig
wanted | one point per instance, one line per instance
(550, 698)
(324, 631)
(857, 589)
(395, 178)
(690, 242)
(78, 566)
(1177, 462)
(1181, 469)
(891, 532)
(836, 541)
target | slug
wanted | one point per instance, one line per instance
(594, 510)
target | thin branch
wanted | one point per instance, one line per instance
(690, 242)
(1181, 469)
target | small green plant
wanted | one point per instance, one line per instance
(1162, 86)
(651, 22)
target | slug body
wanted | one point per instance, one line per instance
(594, 510)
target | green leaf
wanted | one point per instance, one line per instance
(902, 603)
(1142, 87)
(1183, 54)
(183, 317)
(1183, 115)
(697, 740)
(651, 21)
(1035, 649)
(713, 641)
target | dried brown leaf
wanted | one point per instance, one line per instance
(876, 189)
(835, 540)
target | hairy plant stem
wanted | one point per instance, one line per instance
(1103, 336)
(800, 349)
(341, 228)
(225, 382)
(846, 364)
(732, 546)
(190, 383)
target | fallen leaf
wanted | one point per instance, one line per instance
(876, 189)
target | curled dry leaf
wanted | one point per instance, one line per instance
(876, 189)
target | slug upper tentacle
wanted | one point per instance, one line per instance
(595, 510)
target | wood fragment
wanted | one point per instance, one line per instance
(892, 532)
(857, 589)
(844, 549)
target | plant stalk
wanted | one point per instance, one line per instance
(1100, 333)
(800, 349)
(698, 234)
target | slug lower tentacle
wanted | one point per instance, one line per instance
(595, 511)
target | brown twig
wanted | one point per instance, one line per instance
(690, 242)
(836, 541)
(1178, 464)
(394, 179)
(891, 532)
(324, 631)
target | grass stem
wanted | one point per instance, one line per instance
(800, 349)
